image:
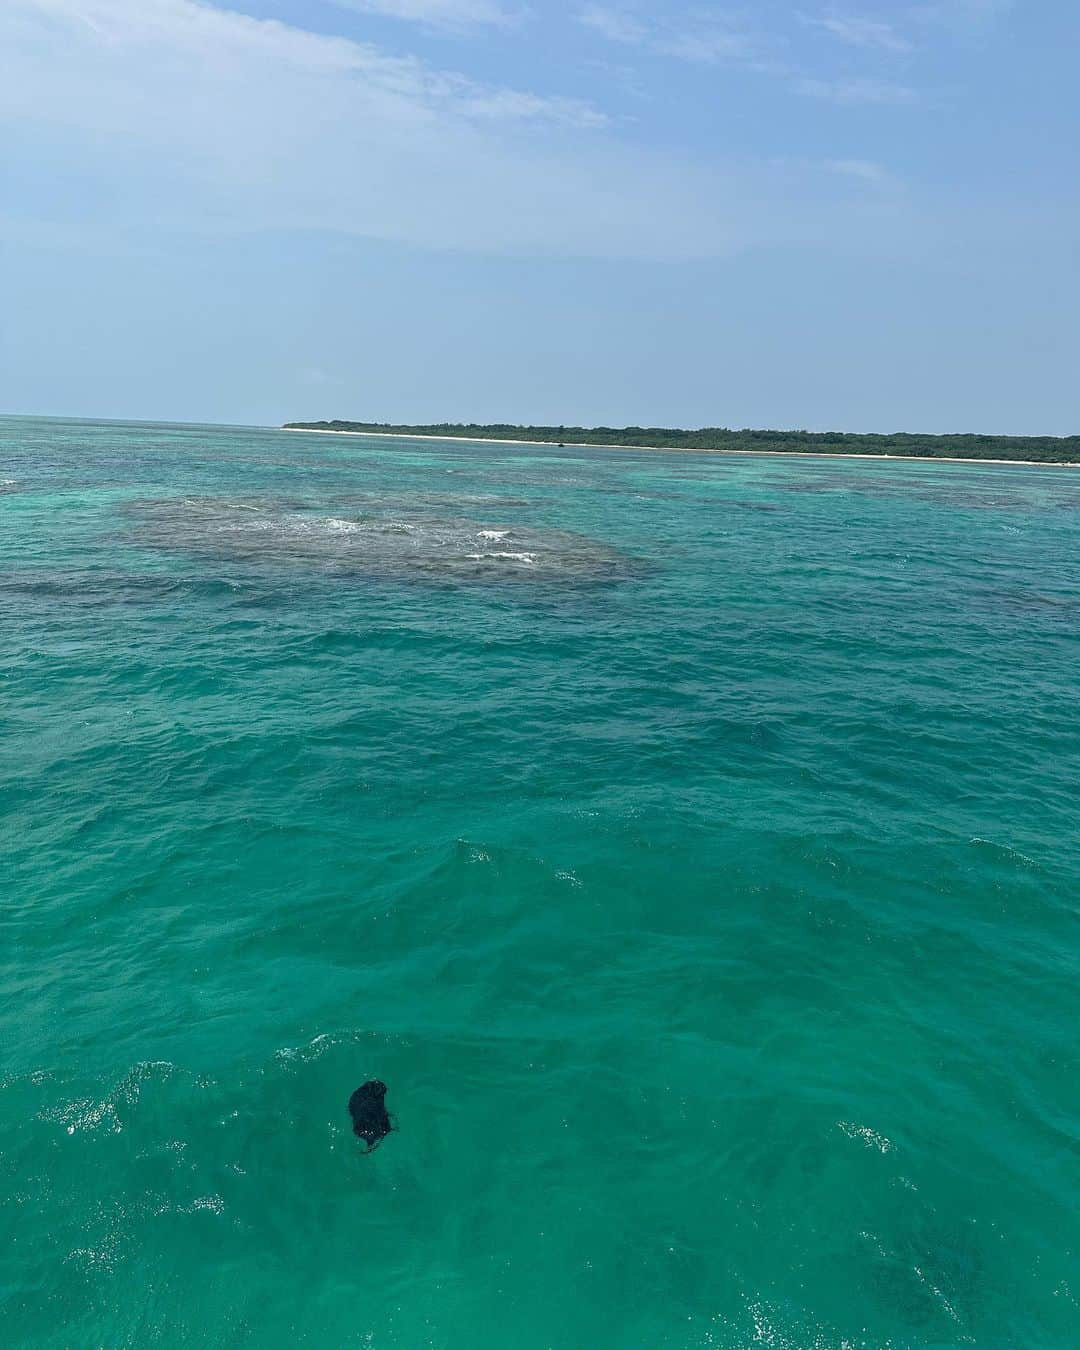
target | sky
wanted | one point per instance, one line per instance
(860, 217)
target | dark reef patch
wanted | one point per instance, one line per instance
(386, 540)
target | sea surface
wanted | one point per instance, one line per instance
(690, 843)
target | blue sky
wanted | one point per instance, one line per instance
(862, 217)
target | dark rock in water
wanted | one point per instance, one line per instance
(370, 1120)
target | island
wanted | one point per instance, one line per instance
(1062, 450)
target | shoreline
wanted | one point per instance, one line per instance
(689, 449)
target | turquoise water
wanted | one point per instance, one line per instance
(689, 842)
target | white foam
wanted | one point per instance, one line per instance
(86, 1114)
(214, 1203)
(336, 525)
(492, 534)
(937, 1294)
(869, 1137)
(527, 558)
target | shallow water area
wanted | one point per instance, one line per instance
(392, 542)
(688, 842)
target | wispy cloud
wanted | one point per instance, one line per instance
(515, 105)
(220, 42)
(707, 45)
(178, 114)
(961, 12)
(698, 37)
(717, 39)
(434, 13)
(866, 170)
(857, 89)
(859, 31)
(615, 25)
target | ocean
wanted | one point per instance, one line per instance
(689, 842)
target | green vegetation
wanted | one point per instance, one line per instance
(1044, 449)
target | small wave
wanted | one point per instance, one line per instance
(313, 1049)
(495, 535)
(526, 558)
(200, 503)
(336, 525)
(86, 1114)
(103, 1258)
(1006, 849)
(324, 1043)
(214, 1203)
(767, 1328)
(869, 1137)
(936, 1292)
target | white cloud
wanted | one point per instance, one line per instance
(863, 32)
(195, 51)
(183, 115)
(130, 117)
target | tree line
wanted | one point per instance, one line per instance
(1042, 449)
